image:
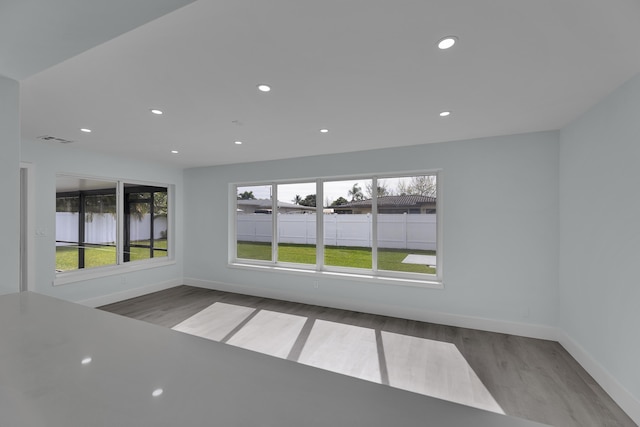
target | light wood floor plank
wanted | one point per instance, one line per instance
(342, 348)
(523, 377)
(216, 321)
(269, 332)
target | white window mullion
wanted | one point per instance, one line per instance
(374, 224)
(233, 229)
(274, 223)
(439, 226)
(120, 223)
(319, 225)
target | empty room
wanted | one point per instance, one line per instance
(322, 213)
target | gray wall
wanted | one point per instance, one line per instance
(500, 207)
(48, 159)
(600, 233)
(9, 184)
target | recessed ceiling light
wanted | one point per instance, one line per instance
(85, 130)
(445, 113)
(157, 392)
(86, 360)
(238, 142)
(174, 151)
(447, 42)
(264, 88)
(155, 111)
(324, 130)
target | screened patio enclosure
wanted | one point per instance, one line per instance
(87, 223)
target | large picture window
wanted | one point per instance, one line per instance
(381, 225)
(90, 214)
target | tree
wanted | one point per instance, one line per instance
(383, 189)
(423, 185)
(310, 200)
(139, 204)
(247, 195)
(339, 201)
(93, 204)
(402, 189)
(356, 193)
(296, 200)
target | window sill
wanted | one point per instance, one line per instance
(112, 270)
(316, 275)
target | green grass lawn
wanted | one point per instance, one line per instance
(67, 256)
(340, 256)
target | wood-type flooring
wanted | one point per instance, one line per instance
(522, 377)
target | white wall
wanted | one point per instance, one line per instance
(500, 211)
(600, 239)
(9, 184)
(48, 159)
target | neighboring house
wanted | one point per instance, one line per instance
(391, 205)
(249, 206)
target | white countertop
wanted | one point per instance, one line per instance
(43, 381)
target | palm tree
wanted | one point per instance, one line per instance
(247, 195)
(296, 200)
(355, 193)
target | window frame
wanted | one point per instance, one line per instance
(320, 268)
(81, 274)
(81, 225)
(134, 188)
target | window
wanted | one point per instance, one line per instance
(145, 222)
(384, 226)
(296, 223)
(85, 223)
(406, 224)
(90, 213)
(348, 231)
(254, 224)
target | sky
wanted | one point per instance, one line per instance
(332, 189)
(287, 192)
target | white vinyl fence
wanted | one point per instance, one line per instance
(102, 228)
(398, 231)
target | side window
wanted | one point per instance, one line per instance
(85, 223)
(89, 213)
(145, 222)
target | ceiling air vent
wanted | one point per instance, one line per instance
(54, 139)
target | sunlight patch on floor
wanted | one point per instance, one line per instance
(269, 332)
(436, 369)
(429, 367)
(345, 349)
(216, 321)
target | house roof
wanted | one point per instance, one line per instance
(391, 201)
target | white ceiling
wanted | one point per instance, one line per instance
(368, 70)
(36, 34)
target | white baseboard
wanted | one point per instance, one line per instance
(491, 325)
(629, 403)
(129, 293)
